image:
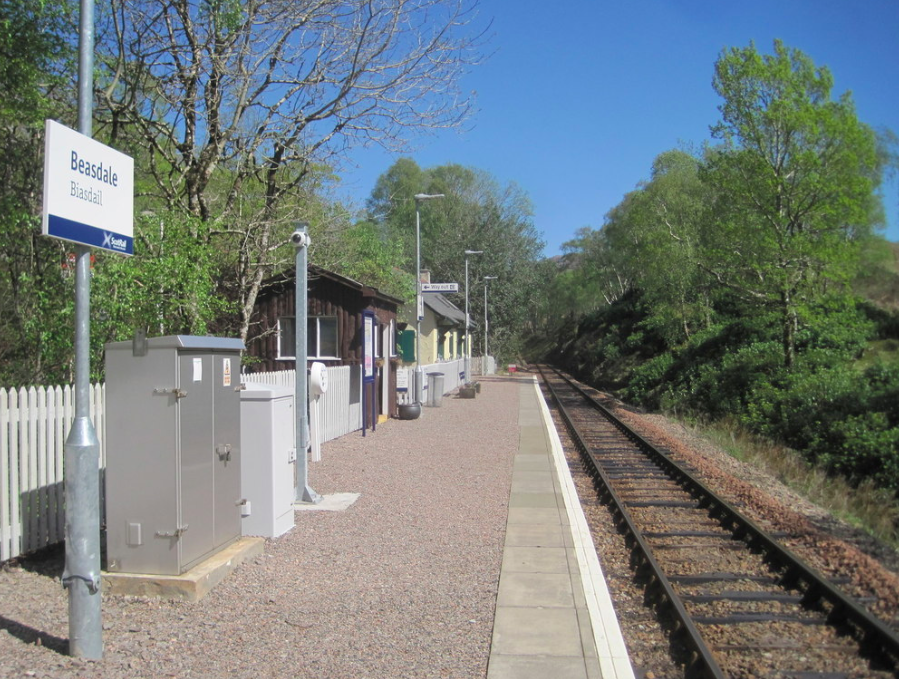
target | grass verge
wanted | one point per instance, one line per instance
(874, 510)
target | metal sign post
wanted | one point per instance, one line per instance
(85, 186)
(419, 301)
(468, 319)
(487, 280)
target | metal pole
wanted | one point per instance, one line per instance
(82, 448)
(302, 491)
(419, 308)
(468, 319)
(487, 280)
(467, 325)
(419, 311)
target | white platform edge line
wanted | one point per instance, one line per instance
(603, 619)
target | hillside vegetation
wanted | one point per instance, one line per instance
(746, 282)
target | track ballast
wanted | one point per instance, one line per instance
(742, 604)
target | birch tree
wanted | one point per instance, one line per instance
(795, 179)
(232, 108)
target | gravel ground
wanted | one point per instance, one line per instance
(402, 584)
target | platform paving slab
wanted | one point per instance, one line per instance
(544, 624)
(533, 630)
(533, 500)
(535, 560)
(528, 535)
(535, 589)
(536, 667)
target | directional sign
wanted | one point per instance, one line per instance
(88, 191)
(440, 287)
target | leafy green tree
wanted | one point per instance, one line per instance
(167, 287)
(476, 213)
(35, 58)
(674, 214)
(794, 180)
(652, 240)
(35, 298)
(361, 252)
(604, 266)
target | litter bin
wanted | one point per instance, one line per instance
(435, 389)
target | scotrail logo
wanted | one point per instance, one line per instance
(110, 242)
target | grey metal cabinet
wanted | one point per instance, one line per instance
(173, 452)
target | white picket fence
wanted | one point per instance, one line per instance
(453, 374)
(339, 408)
(479, 366)
(34, 424)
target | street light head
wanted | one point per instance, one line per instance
(428, 196)
(474, 252)
(490, 278)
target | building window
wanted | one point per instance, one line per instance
(321, 337)
(391, 339)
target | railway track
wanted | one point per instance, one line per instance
(739, 603)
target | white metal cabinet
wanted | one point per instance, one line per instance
(267, 426)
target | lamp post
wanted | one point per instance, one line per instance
(487, 280)
(419, 304)
(467, 320)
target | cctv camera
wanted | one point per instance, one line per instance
(299, 239)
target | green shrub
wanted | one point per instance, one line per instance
(646, 379)
(842, 420)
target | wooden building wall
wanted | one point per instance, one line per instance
(325, 297)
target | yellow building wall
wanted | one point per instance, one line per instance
(430, 337)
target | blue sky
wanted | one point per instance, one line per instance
(579, 96)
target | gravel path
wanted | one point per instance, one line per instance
(402, 584)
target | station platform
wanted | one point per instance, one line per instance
(554, 616)
(451, 546)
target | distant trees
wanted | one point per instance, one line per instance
(658, 231)
(477, 213)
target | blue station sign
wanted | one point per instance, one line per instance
(88, 191)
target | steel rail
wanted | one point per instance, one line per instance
(876, 639)
(702, 661)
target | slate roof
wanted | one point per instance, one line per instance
(445, 310)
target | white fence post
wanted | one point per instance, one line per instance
(6, 549)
